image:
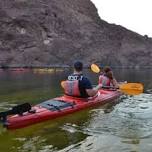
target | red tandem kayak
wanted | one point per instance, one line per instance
(58, 107)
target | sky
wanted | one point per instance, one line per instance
(135, 15)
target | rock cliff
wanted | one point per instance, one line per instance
(39, 33)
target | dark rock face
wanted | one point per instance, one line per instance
(57, 32)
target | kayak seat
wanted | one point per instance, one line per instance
(56, 105)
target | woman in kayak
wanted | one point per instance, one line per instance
(78, 85)
(107, 80)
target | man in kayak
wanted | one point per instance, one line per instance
(78, 85)
(107, 80)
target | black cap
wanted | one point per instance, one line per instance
(78, 66)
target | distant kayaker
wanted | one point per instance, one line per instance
(78, 85)
(107, 80)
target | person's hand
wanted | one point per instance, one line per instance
(99, 86)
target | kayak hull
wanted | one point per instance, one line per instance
(58, 107)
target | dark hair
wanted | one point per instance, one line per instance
(78, 66)
(106, 69)
(109, 74)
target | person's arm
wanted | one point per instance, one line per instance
(115, 83)
(92, 92)
(88, 87)
(100, 79)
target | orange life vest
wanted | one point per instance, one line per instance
(72, 85)
(71, 88)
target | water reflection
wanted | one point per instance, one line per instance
(126, 126)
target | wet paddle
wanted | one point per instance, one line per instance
(127, 88)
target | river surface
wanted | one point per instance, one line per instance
(123, 127)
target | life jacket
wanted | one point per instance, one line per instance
(105, 81)
(71, 86)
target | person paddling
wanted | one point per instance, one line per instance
(107, 80)
(78, 85)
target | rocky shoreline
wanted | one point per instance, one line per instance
(37, 33)
(68, 66)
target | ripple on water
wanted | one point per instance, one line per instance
(123, 127)
(71, 128)
(129, 119)
(5, 105)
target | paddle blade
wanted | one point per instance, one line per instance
(62, 84)
(131, 88)
(95, 68)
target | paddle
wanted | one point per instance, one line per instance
(62, 84)
(95, 68)
(19, 109)
(127, 88)
(131, 88)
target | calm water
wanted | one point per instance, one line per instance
(124, 127)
